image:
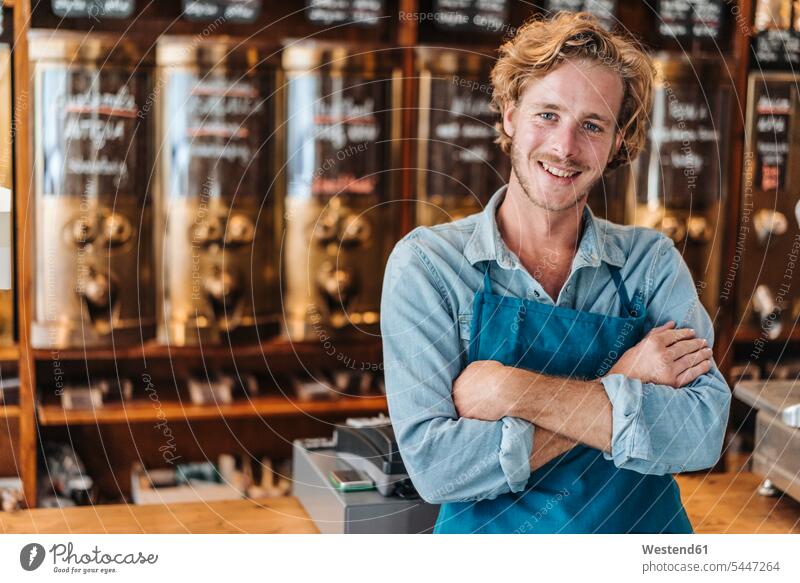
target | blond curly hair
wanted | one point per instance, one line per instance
(541, 45)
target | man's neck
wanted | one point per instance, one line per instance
(530, 230)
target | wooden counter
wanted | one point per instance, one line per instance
(716, 503)
(272, 516)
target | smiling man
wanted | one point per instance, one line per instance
(548, 371)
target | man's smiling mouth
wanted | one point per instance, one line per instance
(558, 172)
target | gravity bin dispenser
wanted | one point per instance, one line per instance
(342, 114)
(216, 201)
(93, 244)
(680, 184)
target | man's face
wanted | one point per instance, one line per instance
(564, 132)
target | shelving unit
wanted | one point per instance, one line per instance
(404, 33)
(144, 411)
(269, 349)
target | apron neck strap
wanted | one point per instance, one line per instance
(622, 291)
(487, 282)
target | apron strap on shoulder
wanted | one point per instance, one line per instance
(487, 282)
(622, 291)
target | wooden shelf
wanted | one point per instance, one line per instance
(145, 411)
(9, 412)
(278, 347)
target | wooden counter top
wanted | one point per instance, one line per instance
(716, 503)
(272, 516)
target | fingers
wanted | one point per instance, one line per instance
(684, 347)
(663, 327)
(666, 335)
(692, 373)
(693, 359)
(673, 336)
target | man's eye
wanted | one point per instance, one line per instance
(547, 116)
(594, 128)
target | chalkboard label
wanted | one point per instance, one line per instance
(336, 135)
(94, 125)
(686, 140)
(604, 10)
(93, 8)
(706, 18)
(772, 123)
(332, 12)
(776, 49)
(217, 124)
(687, 19)
(228, 10)
(471, 15)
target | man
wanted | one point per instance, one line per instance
(548, 371)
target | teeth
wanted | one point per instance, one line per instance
(557, 172)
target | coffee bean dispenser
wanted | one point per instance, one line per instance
(217, 198)
(93, 242)
(340, 223)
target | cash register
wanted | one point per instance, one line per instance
(355, 482)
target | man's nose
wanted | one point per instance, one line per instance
(565, 141)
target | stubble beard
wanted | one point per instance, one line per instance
(519, 162)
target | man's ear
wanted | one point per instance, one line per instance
(617, 146)
(508, 118)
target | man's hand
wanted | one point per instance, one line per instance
(476, 394)
(666, 356)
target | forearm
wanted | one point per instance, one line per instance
(659, 429)
(547, 446)
(577, 410)
(464, 460)
(448, 458)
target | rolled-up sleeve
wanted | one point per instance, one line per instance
(449, 459)
(657, 429)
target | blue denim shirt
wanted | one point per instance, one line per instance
(426, 310)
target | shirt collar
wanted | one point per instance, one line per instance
(486, 244)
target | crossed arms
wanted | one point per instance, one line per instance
(566, 411)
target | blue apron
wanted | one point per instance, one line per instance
(579, 491)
